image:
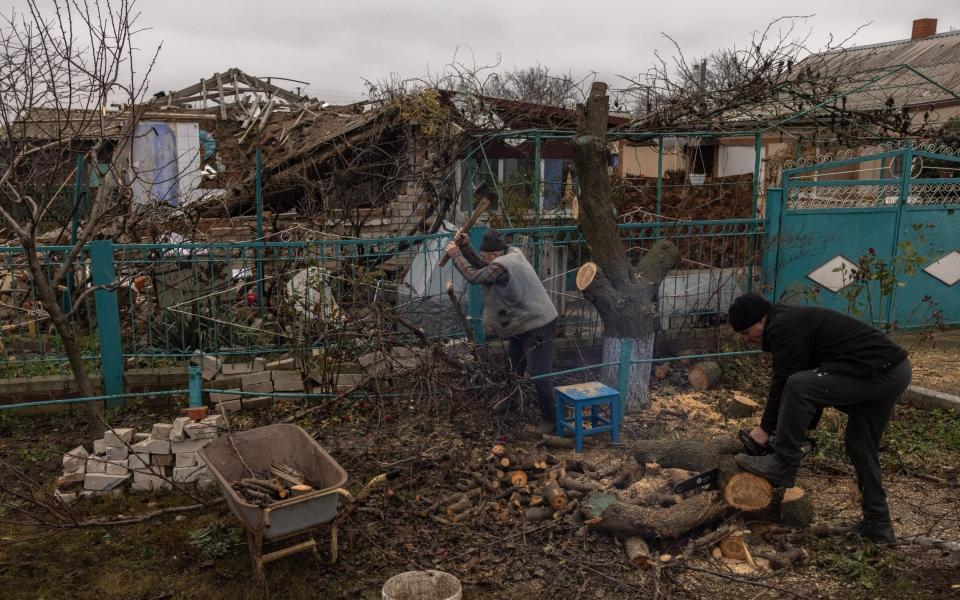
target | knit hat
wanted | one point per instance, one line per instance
(747, 310)
(492, 242)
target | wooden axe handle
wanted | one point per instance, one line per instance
(479, 210)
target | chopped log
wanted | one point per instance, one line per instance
(287, 473)
(791, 507)
(661, 371)
(692, 455)
(299, 490)
(581, 466)
(267, 486)
(638, 552)
(518, 478)
(570, 483)
(585, 275)
(622, 519)
(538, 513)
(498, 450)
(746, 491)
(733, 547)
(554, 495)
(626, 476)
(487, 484)
(739, 406)
(459, 506)
(535, 500)
(553, 441)
(704, 375)
(534, 461)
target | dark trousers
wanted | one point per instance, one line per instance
(868, 404)
(533, 351)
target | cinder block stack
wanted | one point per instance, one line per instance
(252, 378)
(149, 461)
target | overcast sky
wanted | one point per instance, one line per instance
(335, 45)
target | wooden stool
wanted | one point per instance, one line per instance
(594, 395)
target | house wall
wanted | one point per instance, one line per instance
(641, 161)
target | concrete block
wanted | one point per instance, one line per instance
(236, 368)
(210, 366)
(139, 437)
(75, 459)
(66, 497)
(255, 378)
(259, 388)
(98, 482)
(196, 431)
(68, 479)
(187, 474)
(117, 453)
(97, 464)
(152, 446)
(253, 402)
(190, 445)
(289, 385)
(116, 467)
(99, 446)
(161, 460)
(186, 459)
(176, 433)
(88, 493)
(161, 431)
(217, 397)
(150, 474)
(228, 406)
(118, 437)
(285, 364)
(218, 421)
(142, 486)
(259, 364)
(139, 461)
(279, 376)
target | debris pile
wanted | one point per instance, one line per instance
(150, 461)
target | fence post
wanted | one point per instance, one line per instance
(475, 292)
(770, 248)
(108, 320)
(195, 387)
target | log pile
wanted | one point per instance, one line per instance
(635, 499)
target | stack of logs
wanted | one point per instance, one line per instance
(281, 482)
(635, 501)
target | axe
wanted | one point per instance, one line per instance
(479, 210)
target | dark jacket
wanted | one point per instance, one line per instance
(803, 338)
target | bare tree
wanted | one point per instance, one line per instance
(62, 63)
(536, 84)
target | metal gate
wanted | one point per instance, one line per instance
(868, 237)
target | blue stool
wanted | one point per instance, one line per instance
(581, 395)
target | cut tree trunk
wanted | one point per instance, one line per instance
(738, 406)
(704, 375)
(638, 376)
(791, 507)
(625, 520)
(746, 491)
(624, 297)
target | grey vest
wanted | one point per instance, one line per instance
(521, 304)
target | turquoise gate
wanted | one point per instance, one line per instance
(868, 237)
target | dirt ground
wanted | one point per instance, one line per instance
(432, 446)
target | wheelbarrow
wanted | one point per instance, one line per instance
(283, 519)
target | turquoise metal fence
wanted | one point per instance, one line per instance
(870, 236)
(166, 302)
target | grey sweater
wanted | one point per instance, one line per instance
(520, 303)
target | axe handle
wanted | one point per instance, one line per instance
(479, 210)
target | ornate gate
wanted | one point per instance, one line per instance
(865, 235)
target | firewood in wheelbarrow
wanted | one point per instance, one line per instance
(300, 490)
(287, 474)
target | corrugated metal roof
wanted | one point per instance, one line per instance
(912, 73)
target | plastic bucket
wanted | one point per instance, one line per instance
(422, 585)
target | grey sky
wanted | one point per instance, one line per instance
(334, 45)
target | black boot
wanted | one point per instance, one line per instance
(751, 446)
(876, 530)
(770, 467)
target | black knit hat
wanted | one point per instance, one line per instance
(747, 310)
(492, 242)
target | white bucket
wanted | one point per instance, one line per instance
(422, 585)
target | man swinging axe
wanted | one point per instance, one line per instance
(822, 358)
(516, 308)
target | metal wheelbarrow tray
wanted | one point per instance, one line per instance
(261, 447)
